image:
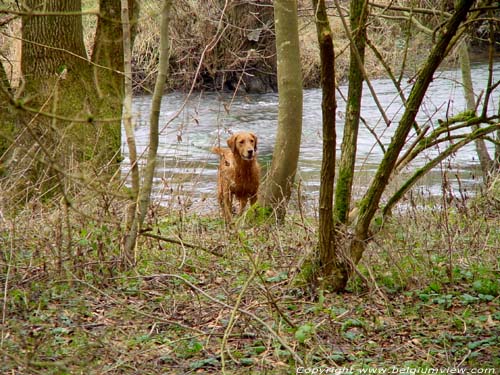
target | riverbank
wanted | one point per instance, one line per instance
(193, 30)
(390, 38)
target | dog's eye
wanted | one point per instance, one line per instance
(241, 142)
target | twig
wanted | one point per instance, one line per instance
(179, 242)
(246, 312)
(372, 131)
(268, 293)
(6, 286)
(362, 67)
(213, 42)
(232, 319)
(127, 306)
(410, 9)
(443, 155)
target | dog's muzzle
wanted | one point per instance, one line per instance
(249, 155)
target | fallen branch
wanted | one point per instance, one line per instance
(179, 242)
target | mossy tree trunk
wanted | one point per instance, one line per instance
(334, 246)
(72, 107)
(58, 84)
(278, 185)
(343, 191)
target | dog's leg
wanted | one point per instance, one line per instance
(227, 205)
(253, 199)
(243, 203)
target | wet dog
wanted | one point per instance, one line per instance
(239, 173)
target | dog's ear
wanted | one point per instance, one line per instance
(255, 141)
(231, 142)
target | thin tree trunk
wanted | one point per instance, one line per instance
(132, 228)
(343, 190)
(149, 171)
(331, 268)
(491, 52)
(277, 189)
(143, 193)
(481, 149)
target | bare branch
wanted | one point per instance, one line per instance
(481, 132)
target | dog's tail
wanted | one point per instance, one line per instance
(218, 151)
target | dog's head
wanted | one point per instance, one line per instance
(243, 144)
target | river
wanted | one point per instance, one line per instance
(187, 170)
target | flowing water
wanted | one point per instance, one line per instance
(187, 170)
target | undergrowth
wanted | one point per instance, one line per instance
(206, 299)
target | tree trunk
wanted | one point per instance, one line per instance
(144, 193)
(57, 75)
(343, 191)
(131, 225)
(107, 53)
(8, 118)
(108, 67)
(78, 127)
(277, 188)
(481, 149)
(330, 263)
(71, 110)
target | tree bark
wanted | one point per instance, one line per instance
(278, 185)
(108, 67)
(52, 42)
(80, 109)
(144, 192)
(8, 118)
(57, 80)
(330, 264)
(481, 149)
(343, 191)
(107, 53)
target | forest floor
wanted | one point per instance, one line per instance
(203, 299)
(424, 298)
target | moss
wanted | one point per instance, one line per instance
(256, 215)
(344, 181)
(460, 117)
(7, 133)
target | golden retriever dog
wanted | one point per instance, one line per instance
(239, 173)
